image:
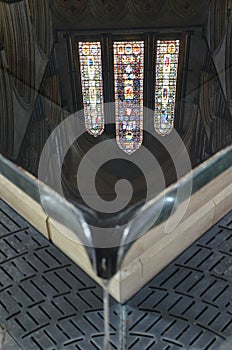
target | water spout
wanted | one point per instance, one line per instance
(106, 248)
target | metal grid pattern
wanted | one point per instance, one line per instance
(48, 303)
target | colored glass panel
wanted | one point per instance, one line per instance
(128, 87)
(92, 86)
(167, 55)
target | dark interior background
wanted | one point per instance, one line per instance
(36, 73)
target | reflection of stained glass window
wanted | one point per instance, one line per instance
(167, 54)
(128, 83)
(92, 86)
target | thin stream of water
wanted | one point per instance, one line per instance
(106, 345)
(122, 334)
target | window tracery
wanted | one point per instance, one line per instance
(128, 78)
(92, 86)
(128, 88)
(167, 54)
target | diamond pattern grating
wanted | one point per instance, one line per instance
(48, 303)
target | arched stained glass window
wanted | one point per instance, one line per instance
(128, 87)
(92, 86)
(167, 55)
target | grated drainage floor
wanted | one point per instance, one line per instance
(48, 303)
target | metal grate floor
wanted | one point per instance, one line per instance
(48, 303)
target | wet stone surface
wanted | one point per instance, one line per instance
(48, 303)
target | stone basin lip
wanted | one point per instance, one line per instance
(151, 252)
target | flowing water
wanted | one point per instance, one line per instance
(123, 328)
(106, 306)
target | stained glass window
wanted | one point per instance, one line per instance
(92, 86)
(167, 54)
(128, 87)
